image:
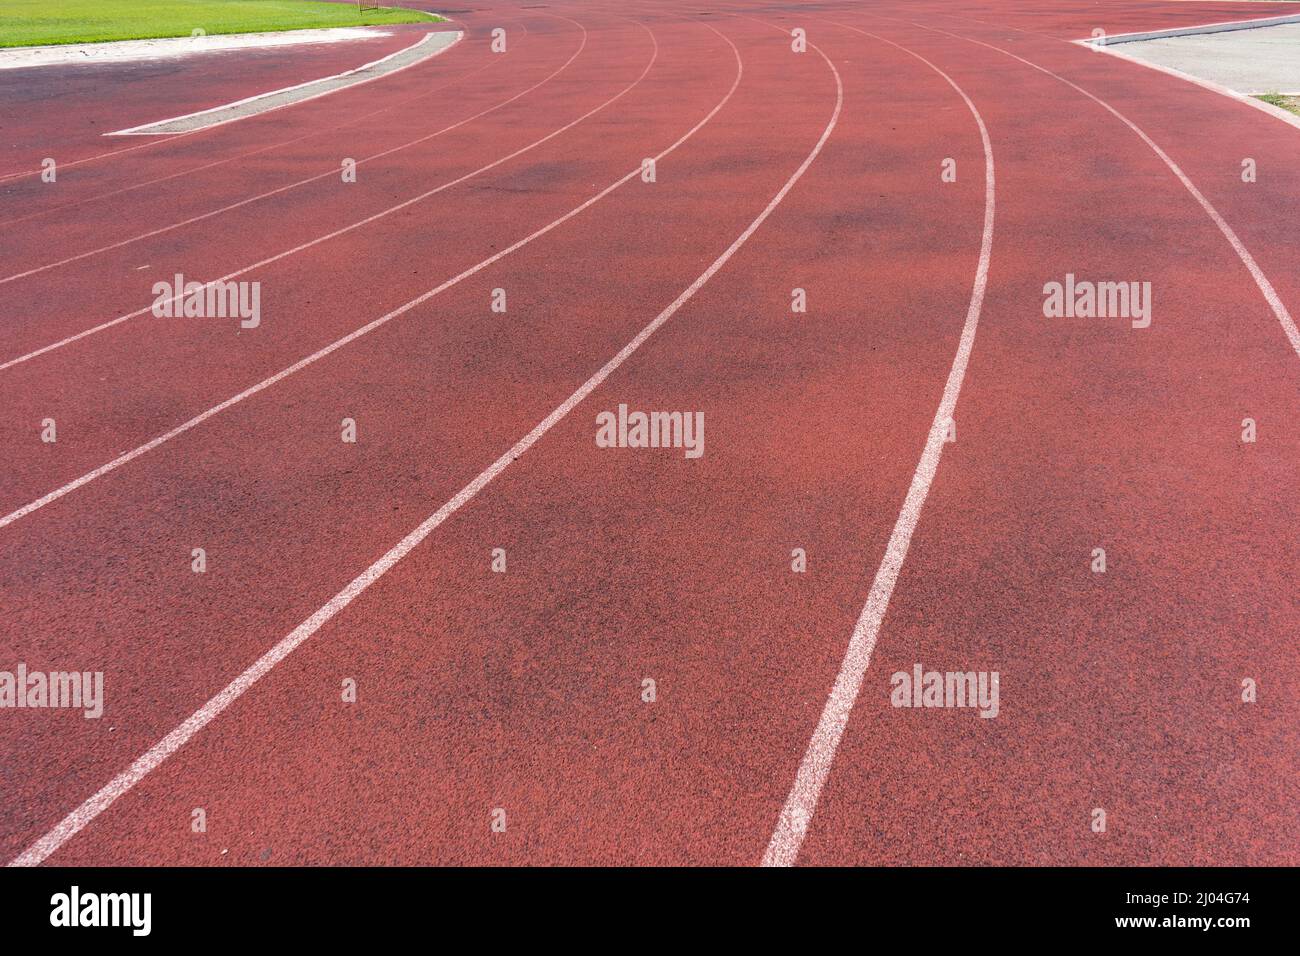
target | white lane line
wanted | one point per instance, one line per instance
(796, 815)
(337, 232)
(27, 173)
(1275, 111)
(294, 185)
(316, 356)
(491, 61)
(1265, 287)
(124, 781)
(24, 174)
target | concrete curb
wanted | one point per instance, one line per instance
(300, 93)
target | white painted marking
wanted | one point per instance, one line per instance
(325, 238)
(24, 174)
(153, 129)
(338, 344)
(1275, 111)
(1261, 281)
(801, 804)
(334, 171)
(126, 780)
(190, 171)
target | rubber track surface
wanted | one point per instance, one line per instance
(523, 690)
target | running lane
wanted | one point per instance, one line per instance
(64, 111)
(409, 395)
(1073, 19)
(292, 192)
(1120, 691)
(127, 164)
(180, 368)
(523, 690)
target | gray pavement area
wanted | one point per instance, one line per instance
(1263, 60)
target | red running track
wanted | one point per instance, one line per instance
(523, 691)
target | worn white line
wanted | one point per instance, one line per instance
(797, 813)
(301, 182)
(1275, 111)
(316, 356)
(314, 133)
(94, 330)
(126, 780)
(1261, 280)
(25, 174)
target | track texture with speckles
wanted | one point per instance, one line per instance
(480, 690)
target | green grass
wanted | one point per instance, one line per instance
(1291, 103)
(40, 22)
